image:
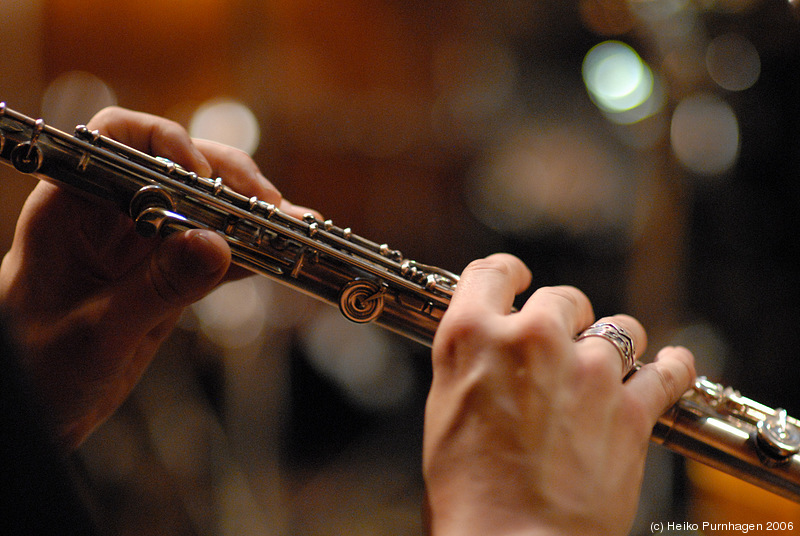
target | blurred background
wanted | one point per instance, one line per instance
(646, 151)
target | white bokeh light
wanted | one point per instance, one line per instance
(227, 121)
(616, 77)
(705, 134)
(74, 97)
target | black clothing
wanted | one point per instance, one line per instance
(39, 492)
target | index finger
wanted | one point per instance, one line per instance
(492, 282)
(152, 135)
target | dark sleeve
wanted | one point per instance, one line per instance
(39, 495)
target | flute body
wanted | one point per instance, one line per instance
(367, 281)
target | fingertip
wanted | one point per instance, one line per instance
(678, 354)
(104, 117)
(171, 140)
(238, 170)
(209, 249)
(493, 282)
(299, 211)
(504, 264)
(521, 273)
(661, 384)
(189, 265)
(200, 165)
(253, 182)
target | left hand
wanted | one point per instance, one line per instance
(89, 298)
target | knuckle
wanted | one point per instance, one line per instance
(572, 295)
(565, 292)
(166, 285)
(107, 111)
(166, 129)
(598, 367)
(540, 326)
(240, 155)
(111, 110)
(105, 117)
(492, 264)
(463, 323)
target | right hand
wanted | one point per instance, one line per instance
(528, 432)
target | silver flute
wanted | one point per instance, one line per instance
(367, 281)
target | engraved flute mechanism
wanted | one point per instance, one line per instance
(367, 281)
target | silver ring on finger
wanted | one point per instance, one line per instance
(617, 336)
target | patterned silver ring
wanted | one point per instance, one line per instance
(617, 336)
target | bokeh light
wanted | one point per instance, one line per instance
(234, 315)
(705, 134)
(733, 62)
(620, 82)
(565, 179)
(74, 97)
(227, 121)
(362, 360)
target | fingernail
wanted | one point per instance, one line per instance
(190, 265)
(202, 253)
(190, 255)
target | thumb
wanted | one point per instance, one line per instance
(186, 266)
(131, 318)
(183, 268)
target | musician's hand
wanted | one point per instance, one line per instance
(90, 299)
(528, 432)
